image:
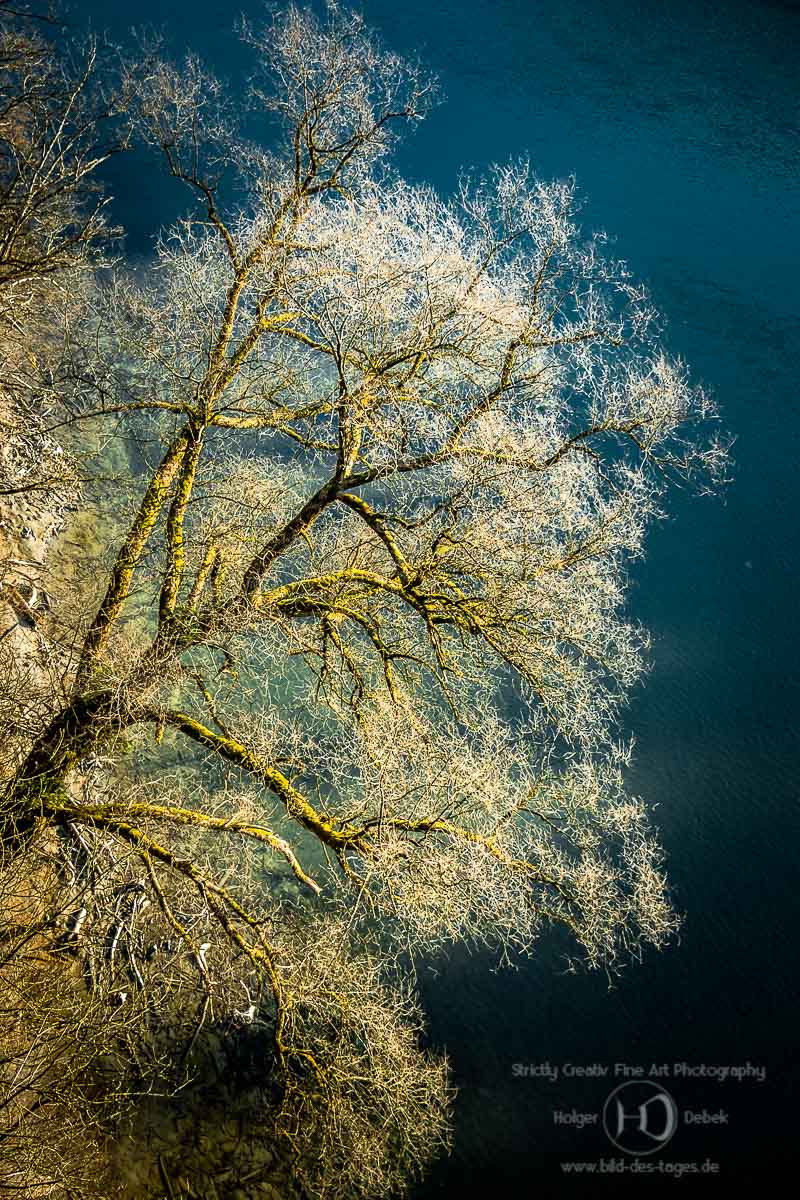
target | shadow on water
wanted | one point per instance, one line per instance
(210, 1137)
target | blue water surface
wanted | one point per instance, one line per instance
(679, 119)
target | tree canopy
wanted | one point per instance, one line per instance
(340, 683)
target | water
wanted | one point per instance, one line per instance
(680, 122)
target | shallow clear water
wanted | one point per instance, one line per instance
(680, 122)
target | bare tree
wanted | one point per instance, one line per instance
(58, 125)
(345, 685)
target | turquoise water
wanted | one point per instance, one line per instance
(680, 122)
